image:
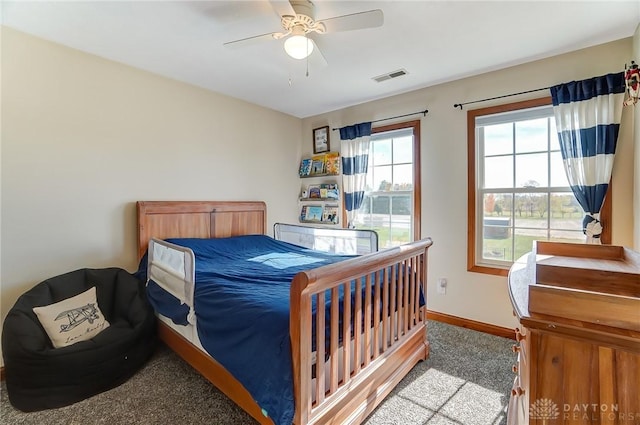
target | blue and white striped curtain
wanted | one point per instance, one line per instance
(587, 116)
(354, 141)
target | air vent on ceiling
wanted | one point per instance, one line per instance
(390, 75)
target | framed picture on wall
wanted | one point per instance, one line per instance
(321, 139)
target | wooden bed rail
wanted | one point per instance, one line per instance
(350, 332)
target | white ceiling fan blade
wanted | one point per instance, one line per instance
(355, 21)
(317, 59)
(243, 42)
(282, 7)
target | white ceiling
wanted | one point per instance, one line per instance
(434, 41)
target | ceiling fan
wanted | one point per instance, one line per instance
(297, 18)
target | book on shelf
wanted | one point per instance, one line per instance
(313, 213)
(305, 167)
(332, 163)
(318, 164)
(330, 191)
(314, 191)
(303, 212)
(330, 214)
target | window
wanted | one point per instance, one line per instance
(518, 189)
(391, 205)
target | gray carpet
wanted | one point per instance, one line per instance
(466, 380)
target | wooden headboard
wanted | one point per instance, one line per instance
(198, 219)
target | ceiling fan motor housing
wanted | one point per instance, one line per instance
(303, 7)
(303, 22)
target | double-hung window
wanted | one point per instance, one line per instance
(391, 205)
(518, 189)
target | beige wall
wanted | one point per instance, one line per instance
(83, 138)
(444, 167)
(636, 137)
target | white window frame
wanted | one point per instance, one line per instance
(494, 115)
(510, 118)
(414, 128)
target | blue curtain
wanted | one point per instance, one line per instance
(587, 117)
(355, 140)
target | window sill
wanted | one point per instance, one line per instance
(488, 270)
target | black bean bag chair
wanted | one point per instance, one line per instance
(39, 376)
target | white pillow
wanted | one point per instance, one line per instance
(72, 320)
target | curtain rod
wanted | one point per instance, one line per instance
(459, 105)
(424, 113)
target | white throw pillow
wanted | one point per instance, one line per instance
(72, 320)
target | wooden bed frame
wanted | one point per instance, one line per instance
(379, 356)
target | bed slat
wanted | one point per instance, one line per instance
(347, 325)
(367, 322)
(415, 265)
(406, 288)
(335, 320)
(357, 319)
(385, 309)
(393, 334)
(320, 354)
(376, 315)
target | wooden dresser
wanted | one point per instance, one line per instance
(578, 343)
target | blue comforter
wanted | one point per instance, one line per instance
(242, 309)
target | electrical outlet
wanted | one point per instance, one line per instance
(442, 286)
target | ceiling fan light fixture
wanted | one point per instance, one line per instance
(298, 46)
